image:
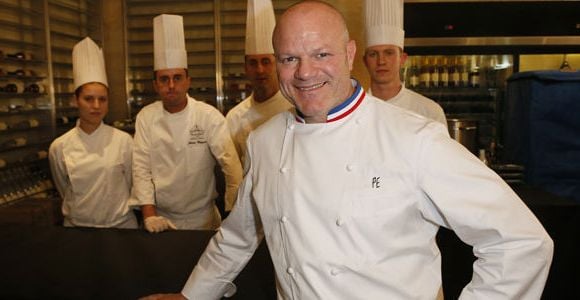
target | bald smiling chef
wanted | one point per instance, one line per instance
(350, 191)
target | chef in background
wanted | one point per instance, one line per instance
(384, 58)
(178, 141)
(266, 99)
(91, 163)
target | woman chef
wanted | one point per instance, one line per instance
(91, 163)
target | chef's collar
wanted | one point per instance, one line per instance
(345, 108)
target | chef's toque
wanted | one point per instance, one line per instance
(260, 22)
(384, 22)
(88, 63)
(169, 43)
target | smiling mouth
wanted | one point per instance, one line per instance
(311, 87)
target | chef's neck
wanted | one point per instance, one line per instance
(88, 127)
(175, 106)
(386, 91)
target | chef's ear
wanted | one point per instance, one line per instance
(404, 57)
(351, 53)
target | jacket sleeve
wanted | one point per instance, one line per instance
(58, 168)
(128, 163)
(143, 189)
(228, 251)
(223, 149)
(513, 250)
(233, 123)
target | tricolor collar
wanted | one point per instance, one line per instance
(345, 108)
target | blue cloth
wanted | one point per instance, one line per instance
(542, 129)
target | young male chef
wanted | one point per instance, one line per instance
(350, 191)
(384, 58)
(260, 66)
(178, 141)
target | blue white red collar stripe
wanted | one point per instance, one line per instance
(345, 108)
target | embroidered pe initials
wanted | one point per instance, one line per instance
(376, 182)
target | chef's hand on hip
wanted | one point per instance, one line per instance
(156, 224)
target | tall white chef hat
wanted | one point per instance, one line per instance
(384, 22)
(169, 43)
(260, 22)
(88, 63)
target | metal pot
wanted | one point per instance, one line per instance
(464, 131)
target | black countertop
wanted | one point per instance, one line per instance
(51, 262)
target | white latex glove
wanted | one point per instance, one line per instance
(158, 224)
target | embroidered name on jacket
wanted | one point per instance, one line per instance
(196, 136)
(376, 182)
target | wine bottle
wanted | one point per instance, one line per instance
(16, 55)
(444, 73)
(10, 88)
(62, 120)
(474, 74)
(34, 88)
(414, 74)
(453, 73)
(434, 73)
(425, 76)
(24, 124)
(464, 72)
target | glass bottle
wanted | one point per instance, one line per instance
(444, 73)
(463, 72)
(454, 72)
(474, 74)
(425, 75)
(434, 71)
(414, 74)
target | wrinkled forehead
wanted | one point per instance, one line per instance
(307, 35)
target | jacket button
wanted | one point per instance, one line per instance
(339, 222)
(291, 127)
(349, 167)
(284, 219)
(290, 271)
(334, 272)
(283, 169)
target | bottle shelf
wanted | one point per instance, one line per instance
(5, 146)
(4, 95)
(23, 129)
(24, 179)
(11, 111)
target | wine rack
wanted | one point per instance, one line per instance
(25, 105)
(36, 40)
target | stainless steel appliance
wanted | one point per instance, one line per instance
(461, 54)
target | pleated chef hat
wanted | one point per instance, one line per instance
(384, 22)
(260, 22)
(88, 63)
(169, 43)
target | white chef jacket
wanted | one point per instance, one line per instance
(174, 159)
(418, 103)
(249, 114)
(92, 173)
(350, 210)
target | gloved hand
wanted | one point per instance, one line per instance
(156, 224)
